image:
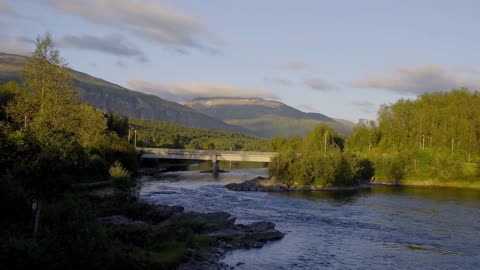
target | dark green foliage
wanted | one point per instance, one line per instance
(366, 169)
(117, 124)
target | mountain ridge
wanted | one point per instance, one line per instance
(267, 118)
(108, 96)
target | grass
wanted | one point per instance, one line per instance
(434, 183)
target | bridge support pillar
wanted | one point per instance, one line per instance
(215, 166)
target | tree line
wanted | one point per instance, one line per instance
(46, 131)
(436, 136)
(168, 135)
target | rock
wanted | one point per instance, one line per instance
(247, 236)
(258, 184)
(213, 221)
(262, 226)
(164, 212)
(115, 221)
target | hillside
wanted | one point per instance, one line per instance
(167, 135)
(266, 118)
(111, 97)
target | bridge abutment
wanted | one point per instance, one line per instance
(215, 166)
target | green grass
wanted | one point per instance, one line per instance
(433, 182)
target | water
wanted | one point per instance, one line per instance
(381, 228)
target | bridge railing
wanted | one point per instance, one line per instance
(168, 151)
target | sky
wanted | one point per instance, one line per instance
(340, 58)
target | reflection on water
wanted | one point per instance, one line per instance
(378, 228)
(195, 165)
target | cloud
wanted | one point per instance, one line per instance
(182, 92)
(364, 106)
(14, 45)
(291, 65)
(316, 83)
(421, 79)
(112, 44)
(279, 81)
(151, 21)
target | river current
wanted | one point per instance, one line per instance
(379, 228)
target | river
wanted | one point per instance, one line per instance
(379, 228)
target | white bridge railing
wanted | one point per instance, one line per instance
(213, 155)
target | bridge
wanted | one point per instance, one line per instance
(213, 155)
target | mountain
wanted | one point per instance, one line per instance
(111, 97)
(265, 118)
(346, 123)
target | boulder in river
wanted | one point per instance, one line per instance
(258, 184)
(119, 220)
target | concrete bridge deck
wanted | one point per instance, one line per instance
(213, 155)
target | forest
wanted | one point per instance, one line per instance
(431, 140)
(167, 135)
(434, 138)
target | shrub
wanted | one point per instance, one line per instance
(117, 171)
(395, 170)
(126, 189)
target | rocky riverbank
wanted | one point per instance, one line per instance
(218, 227)
(263, 184)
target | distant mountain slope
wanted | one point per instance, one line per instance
(111, 97)
(346, 123)
(266, 118)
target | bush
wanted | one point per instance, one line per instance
(117, 171)
(126, 189)
(366, 169)
(395, 170)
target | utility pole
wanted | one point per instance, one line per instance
(135, 136)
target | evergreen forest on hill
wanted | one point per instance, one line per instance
(168, 135)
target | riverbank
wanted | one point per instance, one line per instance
(181, 239)
(264, 184)
(431, 183)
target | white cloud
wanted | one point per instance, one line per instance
(182, 92)
(291, 65)
(148, 20)
(421, 79)
(317, 83)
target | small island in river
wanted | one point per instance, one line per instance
(264, 184)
